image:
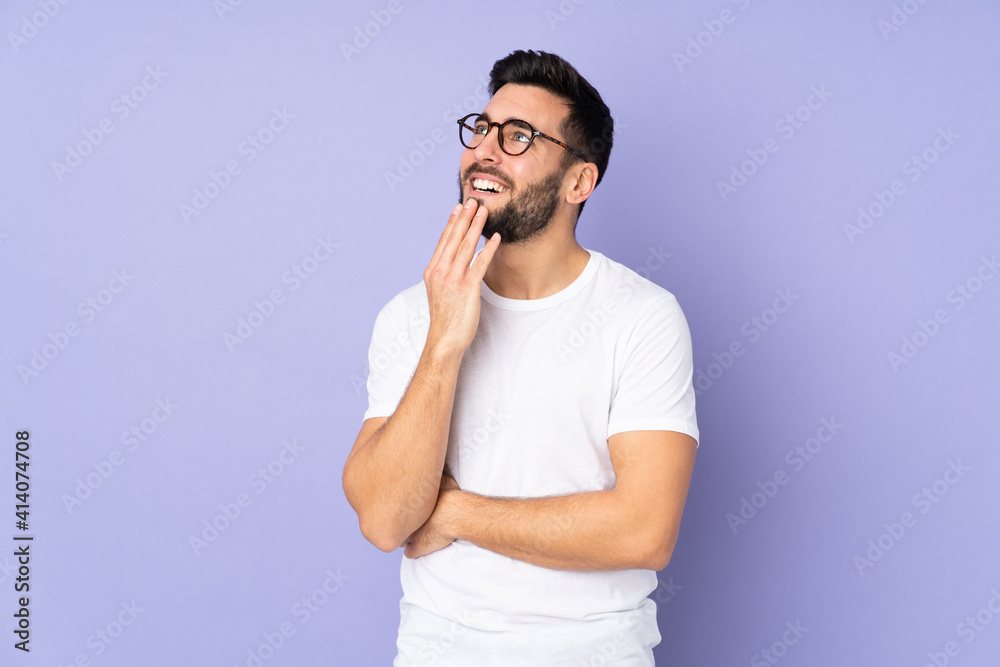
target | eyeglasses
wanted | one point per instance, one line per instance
(514, 136)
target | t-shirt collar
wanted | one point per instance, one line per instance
(559, 297)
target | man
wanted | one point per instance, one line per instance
(531, 429)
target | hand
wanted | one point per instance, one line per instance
(433, 534)
(448, 482)
(453, 286)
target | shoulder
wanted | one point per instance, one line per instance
(638, 297)
(412, 298)
(407, 309)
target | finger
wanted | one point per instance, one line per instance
(445, 234)
(466, 248)
(475, 231)
(458, 232)
(478, 268)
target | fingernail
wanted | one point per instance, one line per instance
(481, 211)
(458, 207)
(470, 203)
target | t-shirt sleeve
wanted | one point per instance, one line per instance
(392, 360)
(655, 389)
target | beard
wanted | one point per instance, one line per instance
(526, 214)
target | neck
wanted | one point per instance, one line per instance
(540, 267)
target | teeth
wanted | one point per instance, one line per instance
(483, 184)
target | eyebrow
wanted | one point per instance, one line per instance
(486, 117)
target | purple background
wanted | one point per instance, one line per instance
(682, 127)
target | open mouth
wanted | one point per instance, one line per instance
(486, 186)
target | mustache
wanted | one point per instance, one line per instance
(488, 171)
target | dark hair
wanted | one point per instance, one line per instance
(588, 127)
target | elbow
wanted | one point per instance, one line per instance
(382, 536)
(388, 530)
(383, 521)
(374, 531)
(655, 551)
(658, 560)
(386, 535)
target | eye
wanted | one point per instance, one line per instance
(517, 132)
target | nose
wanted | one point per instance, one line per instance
(488, 149)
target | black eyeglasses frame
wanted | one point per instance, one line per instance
(534, 133)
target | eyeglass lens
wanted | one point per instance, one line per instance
(515, 135)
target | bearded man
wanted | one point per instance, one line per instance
(531, 430)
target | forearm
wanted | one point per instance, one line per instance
(581, 531)
(393, 480)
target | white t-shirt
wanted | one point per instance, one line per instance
(540, 390)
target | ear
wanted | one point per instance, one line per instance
(581, 179)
